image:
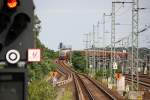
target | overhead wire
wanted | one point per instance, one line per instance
(124, 12)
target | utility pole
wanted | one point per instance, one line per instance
(104, 66)
(104, 49)
(70, 55)
(113, 59)
(98, 49)
(112, 39)
(86, 50)
(127, 48)
(134, 60)
(135, 25)
(93, 47)
(123, 59)
(90, 53)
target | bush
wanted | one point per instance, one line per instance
(37, 71)
(41, 90)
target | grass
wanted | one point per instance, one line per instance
(68, 94)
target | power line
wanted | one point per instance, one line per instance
(119, 8)
(124, 12)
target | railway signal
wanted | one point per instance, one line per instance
(16, 28)
(16, 37)
(13, 84)
(118, 76)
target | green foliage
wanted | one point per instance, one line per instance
(37, 71)
(50, 53)
(68, 94)
(143, 52)
(119, 70)
(37, 26)
(100, 73)
(78, 61)
(41, 90)
(108, 73)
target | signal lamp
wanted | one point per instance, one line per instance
(18, 26)
(12, 3)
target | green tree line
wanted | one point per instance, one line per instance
(79, 62)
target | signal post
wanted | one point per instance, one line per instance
(16, 37)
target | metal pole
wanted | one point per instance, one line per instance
(135, 59)
(123, 59)
(94, 49)
(113, 59)
(98, 51)
(90, 53)
(98, 48)
(71, 55)
(86, 51)
(104, 66)
(112, 38)
(105, 59)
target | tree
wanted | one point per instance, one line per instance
(78, 61)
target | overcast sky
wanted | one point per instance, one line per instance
(68, 20)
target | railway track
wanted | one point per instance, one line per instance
(93, 90)
(63, 69)
(77, 89)
(68, 76)
(144, 81)
(86, 88)
(145, 78)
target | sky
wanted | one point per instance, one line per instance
(68, 20)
